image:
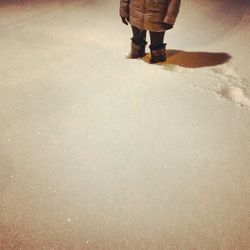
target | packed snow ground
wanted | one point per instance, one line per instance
(103, 152)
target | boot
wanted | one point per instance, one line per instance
(158, 53)
(137, 50)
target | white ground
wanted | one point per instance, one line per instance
(102, 152)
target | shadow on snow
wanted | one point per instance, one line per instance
(188, 59)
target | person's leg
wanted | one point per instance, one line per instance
(157, 47)
(157, 38)
(139, 36)
(138, 43)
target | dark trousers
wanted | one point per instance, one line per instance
(156, 38)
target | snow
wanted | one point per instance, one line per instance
(235, 94)
(142, 156)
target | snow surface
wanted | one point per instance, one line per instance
(103, 152)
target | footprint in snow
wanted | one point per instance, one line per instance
(235, 94)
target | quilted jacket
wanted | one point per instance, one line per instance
(150, 14)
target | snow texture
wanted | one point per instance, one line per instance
(103, 152)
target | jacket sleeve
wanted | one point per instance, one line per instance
(172, 11)
(124, 8)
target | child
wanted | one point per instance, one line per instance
(155, 16)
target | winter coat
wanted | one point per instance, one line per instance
(150, 14)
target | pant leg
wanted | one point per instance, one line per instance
(157, 38)
(139, 36)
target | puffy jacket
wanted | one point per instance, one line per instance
(150, 14)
